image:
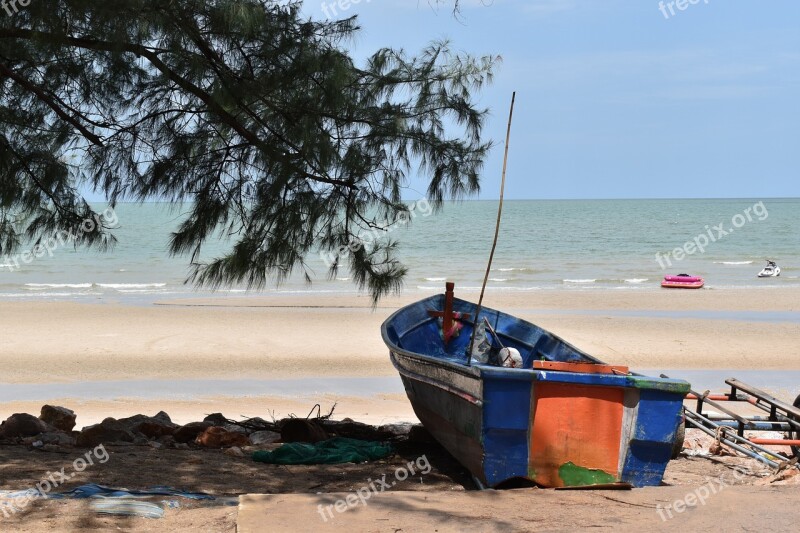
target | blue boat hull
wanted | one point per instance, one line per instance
(555, 428)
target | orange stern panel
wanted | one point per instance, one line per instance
(584, 368)
(576, 434)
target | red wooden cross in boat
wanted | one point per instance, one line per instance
(450, 328)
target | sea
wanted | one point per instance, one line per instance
(571, 245)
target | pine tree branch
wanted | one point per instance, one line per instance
(23, 161)
(41, 95)
(185, 84)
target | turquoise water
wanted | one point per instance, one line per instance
(544, 245)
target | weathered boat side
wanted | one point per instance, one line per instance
(556, 428)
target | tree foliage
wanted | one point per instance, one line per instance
(254, 118)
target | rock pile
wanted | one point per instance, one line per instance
(54, 430)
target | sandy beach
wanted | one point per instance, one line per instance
(200, 201)
(271, 357)
(161, 351)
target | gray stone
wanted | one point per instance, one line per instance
(264, 437)
(106, 432)
(190, 431)
(234, 428)
(396, 430)
(354, 430)
(151, 427)
(302, 430)
(234, 451)
(216, 419)
(260, 422)
(58, 417)
(58, 438)
(167, 440)
(23, 425)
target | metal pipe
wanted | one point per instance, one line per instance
(780, 418)
(703, 426)
(749, 453)
(754, 426)
(733, 415)
(776, 442)
(737, 437)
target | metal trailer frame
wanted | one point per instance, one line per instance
(729, 427)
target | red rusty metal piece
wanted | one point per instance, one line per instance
(775, 442)
(715, 397)
(449, 328)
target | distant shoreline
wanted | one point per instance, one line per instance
(89, 294)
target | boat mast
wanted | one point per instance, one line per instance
(496, 231)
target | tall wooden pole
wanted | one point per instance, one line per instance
(496, 230)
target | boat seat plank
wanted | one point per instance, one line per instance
(758, 393)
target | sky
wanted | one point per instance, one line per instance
(620, 98)
(617, 98)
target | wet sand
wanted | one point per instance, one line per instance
(198, 356)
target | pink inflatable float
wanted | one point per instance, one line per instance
(682, 281)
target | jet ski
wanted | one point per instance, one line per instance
(772, 270)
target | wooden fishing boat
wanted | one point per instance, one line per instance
(564, 419)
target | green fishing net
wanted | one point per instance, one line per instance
(328, 452)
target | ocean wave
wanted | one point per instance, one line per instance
(117, 286)
(498, 279)
(130, 285)
(477, 289)
(44, 286)
(579, 280)
(47, 294)
(733, 262)
(636, 280)
(342, 279)
(143, 291)
(435, 279)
